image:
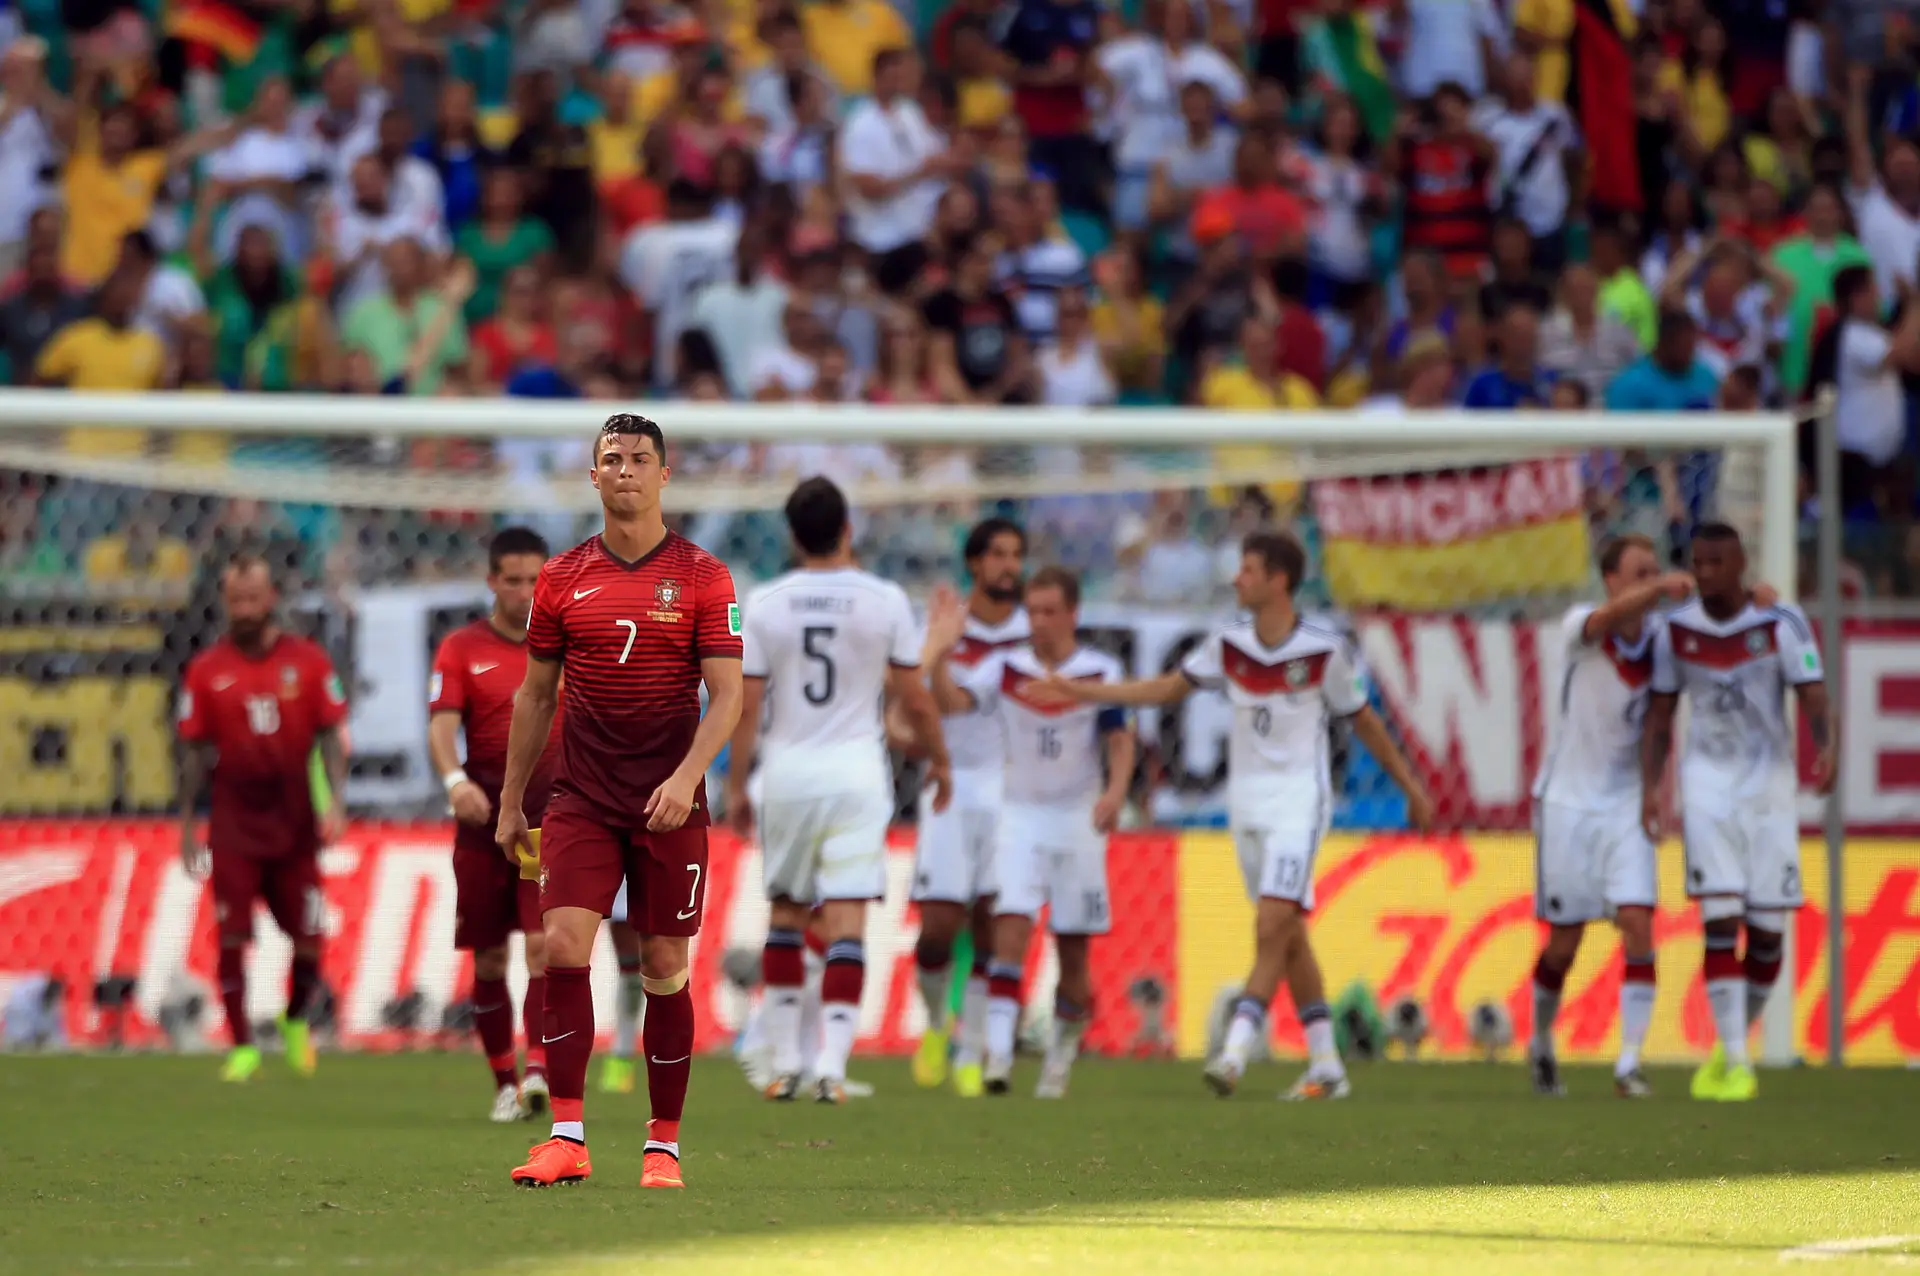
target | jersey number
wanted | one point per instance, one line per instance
(263, 714)
(1049, 742)
(1262, 720)
(1729, 697)
(633, 631)
(813, 641)
(693, 893)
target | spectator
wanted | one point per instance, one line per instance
(1517, 380)
(1051, 43)
(1072, 368)
(773, 91)
(43, 305)
(979, 352)
(1864, 363)
(1423, 379)
(104, 352)
(1206, 315)
(500, 240)
(168, 295)
(1670, 379)
(694, 134)
(1444, 168)
(1578, 342)
(406, 328)
(260, 172)
(799, 153)
(557, 161)
(1444, 42)
(743, 313)
(1886, 204)
(355, 233)
(1174, 567)
(895, 166)
(1623, 294)
(983, 100)
(1811, 259)
(1199, 160)
(1537, 150)
(1254, 206)
(343, 122)
(517, 336)
(1036, 265)
(456, 154)
(1678, 232)
(667, 264)
(847, 37)
(1514, 281)
(905, 374)
(415, 185)
(110, 183)
(1129, 324)
(1741, 319)
(1254, 381)
(31, 115)
(788, 369)
(577, 370)
(1346, 196)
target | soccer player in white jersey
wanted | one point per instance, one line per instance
(1592, 858)
(824, 646)
(1735, 660)
(1286, 678)
(1051, 843)
(953, 865)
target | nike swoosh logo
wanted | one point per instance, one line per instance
(579, 1165)
(477, 670)
(664, 1062)
(685, 915)
(547, 1041)
(221, 684)
(578, 594)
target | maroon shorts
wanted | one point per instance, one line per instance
(583, 862)
(289, 886)
(490, 901)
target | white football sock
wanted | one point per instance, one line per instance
(780, 1021)
(1323, 1055)
(1003, 1023)
(1243, 1034)
(575, 1130)
(936, 990)
(1636, 1012)
(1728, 997)
(839, 1021)
(811, 1039)
(627, 1009)
(973, 1022)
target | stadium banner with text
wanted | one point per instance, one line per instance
(1447, 920)
(1455, 538)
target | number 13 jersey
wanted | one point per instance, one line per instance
(824, 641)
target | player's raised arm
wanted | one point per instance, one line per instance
(1167, 688)
(917, 706)
(1622, 612)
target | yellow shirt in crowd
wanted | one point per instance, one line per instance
(90, 354)
(616, 149)
(108, 560)
(104, 203)
(1232, 387)
(844, 35)
(1548, 24)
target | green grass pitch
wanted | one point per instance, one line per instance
(388, 1164)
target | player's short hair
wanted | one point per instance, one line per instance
(633, 423)
(1278, 552)
(817, 515)
(1054, 576)
(246, 560)
(1721, 533)
(515, 540)
(1616, 549)
(981, 538)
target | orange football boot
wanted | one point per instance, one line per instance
(661, 1169)
(555, 1163)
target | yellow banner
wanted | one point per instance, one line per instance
(1450, 922)
(1550, 557)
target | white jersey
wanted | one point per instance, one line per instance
(974, 740)
(1283, 698)
(1593, 762)
(1053, 752)
(824, 641)
(1736, 673)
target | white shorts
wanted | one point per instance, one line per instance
(1590, 864)
(1749, 849)
(619, 913)
(1276, 860)
(829, 846)
(953, 857)
(1052, 856)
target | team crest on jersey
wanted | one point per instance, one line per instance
(1756, 641)
(1298, 671)
(667, 594)
(289, 682)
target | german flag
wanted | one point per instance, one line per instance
(1600, 93)
(227, 30)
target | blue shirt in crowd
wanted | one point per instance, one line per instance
(1494, 388)
(1645, 386)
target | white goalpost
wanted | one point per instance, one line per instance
(427, 456)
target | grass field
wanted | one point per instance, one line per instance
(388, 1164)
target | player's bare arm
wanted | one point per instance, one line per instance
(1620, 614)
(469, 800)
(533, 708)
(196, 764)
(1122, 750)
(1167, 688)
(740, 755)
(332, 822)
(1373, 733)
(916, 703)
(948, 694)
(672, 802)
(1816, 710)
(1656, 746)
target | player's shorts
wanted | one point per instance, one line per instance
(953, 854)
(584, 863)
(1590, 864)
(1746, 847)
(1277, 858)
(1053, 857)
(828, 846)
(288, 885)
(490, 901)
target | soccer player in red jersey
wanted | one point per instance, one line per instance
(475, 675)
(252, 708)
(635, 619)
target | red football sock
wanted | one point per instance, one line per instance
(233, 994)
(493, 1020)
(667, 1039)
(533, 1012)
(568, 1039)
(303, 976)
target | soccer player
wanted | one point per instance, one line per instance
(1051, 843)
(253, 708)
(953, 865)
(476, 672)
(1286, 679)
(1736, 660)
(825, 645)
(1592, 858)
(636, 619)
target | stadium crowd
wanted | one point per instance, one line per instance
(1251, 205)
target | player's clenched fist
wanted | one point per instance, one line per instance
(510, 834)
(670, 805)
(470, 805)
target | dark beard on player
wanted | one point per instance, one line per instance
(1009, 593)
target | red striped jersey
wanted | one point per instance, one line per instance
(630, 638)
(475, 674)
(262, 714)
(1278, 754)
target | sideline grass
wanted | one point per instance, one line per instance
(388, 1163)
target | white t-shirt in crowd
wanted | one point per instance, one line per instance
(1337, 239)
(356, 231)
(666, 265)
(782, 366)
(889, 142)
(1442, 39)
(256, 154)
(1147, 77)
(362, 130)
(1074, 378)
(25, 149)
(1531, 148)
(1890, 236)
(170, 295)
(1870, 411)
(740, 321)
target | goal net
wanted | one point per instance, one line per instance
(1447, 544)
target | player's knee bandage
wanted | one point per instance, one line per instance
(1720, 908)
(1773, 919)
(664, 987)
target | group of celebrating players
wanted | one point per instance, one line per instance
(582, 796)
